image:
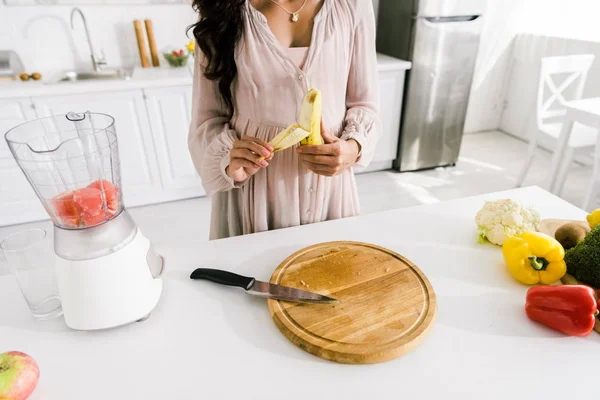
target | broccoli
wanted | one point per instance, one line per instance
(583, 260)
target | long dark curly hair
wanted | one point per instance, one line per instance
(217, 33)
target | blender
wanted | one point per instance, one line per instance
(107, 271)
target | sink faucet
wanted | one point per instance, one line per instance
(97, 63)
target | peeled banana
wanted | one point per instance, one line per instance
(310, 117)
(308, 129)
(287, 138)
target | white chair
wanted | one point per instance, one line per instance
(591, 117)
(575, 69)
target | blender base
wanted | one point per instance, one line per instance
(112, 290)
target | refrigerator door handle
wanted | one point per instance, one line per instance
(443, 20)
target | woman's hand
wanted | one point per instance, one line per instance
(331, 158)
(246, 158)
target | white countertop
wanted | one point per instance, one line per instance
(206, 341)
(142, 78)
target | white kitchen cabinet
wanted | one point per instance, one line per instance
(169, 113)
(13, 112)
(391, 88)
(17, 199)
(140, 175)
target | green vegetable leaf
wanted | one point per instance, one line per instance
(482, 238)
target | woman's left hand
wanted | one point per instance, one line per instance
(331, 158)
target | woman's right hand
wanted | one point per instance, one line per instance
(245, 158)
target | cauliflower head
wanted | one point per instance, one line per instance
(500, 219)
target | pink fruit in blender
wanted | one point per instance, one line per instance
(85, 206)
(111, 194)
(88, 200)
(19, 375)
(66, 209)
(91, 219)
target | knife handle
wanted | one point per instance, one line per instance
(223, 277)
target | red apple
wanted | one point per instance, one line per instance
(19, 375)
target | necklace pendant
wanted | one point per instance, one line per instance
(295, 17)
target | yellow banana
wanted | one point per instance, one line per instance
(288, 137)
(307, 130)
(310, 117)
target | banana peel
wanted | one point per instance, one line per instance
(292, 135)
(308, 129)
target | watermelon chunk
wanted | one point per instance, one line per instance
(111, 194)
(66, 209)
(88, 200)
(91, 220)
(85, 206)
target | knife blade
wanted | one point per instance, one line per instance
(262, 289)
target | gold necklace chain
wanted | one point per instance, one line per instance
(295, 15)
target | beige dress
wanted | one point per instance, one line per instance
(269, 88)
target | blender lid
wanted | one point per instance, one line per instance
(72, 116)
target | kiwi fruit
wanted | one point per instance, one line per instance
(571, 233)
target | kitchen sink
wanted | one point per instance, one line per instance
(74, 76)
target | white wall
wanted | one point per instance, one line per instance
(574, 19)
(502, 21)
(519, 114)
(43, 37)
(552, 30)
(491, 105)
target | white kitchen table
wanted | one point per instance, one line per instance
(206, 341)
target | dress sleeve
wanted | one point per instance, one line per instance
(210, 137)
(362, 121)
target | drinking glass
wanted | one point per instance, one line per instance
(32, 262)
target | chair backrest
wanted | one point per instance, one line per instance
(576, 68)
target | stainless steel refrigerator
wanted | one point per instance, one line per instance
(441, 39)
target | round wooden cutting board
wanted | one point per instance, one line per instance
(386, 304)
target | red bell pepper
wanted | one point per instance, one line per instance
(571, 309)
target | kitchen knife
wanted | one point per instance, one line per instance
(258, 288)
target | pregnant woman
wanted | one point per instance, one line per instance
(255, 61)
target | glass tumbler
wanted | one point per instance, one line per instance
(32, 262)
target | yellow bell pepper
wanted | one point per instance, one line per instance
(534, 257)
(594, 218)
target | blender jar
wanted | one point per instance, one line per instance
(72, 163)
